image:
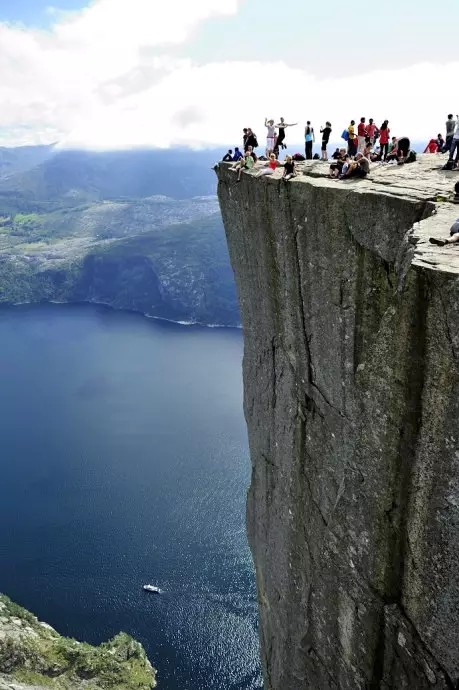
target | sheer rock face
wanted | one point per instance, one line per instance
(351, 323)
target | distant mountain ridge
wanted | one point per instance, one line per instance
(136, 230)
(50, 174)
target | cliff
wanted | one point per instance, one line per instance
(351, 324)
(33, 656)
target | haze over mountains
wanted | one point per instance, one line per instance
(137, 229)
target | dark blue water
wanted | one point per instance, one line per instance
(123, 460)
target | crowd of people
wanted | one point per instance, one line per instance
(364, 143)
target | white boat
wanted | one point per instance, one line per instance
(151, 588)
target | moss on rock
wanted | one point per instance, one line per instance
(34, 655)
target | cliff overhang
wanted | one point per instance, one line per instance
(351, 395)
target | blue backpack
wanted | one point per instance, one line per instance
(345, 135)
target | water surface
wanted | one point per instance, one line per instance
(123, 461)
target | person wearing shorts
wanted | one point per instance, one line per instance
(325, 131)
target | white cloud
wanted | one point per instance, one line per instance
(108, 77)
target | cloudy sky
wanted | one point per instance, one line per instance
(116, 73)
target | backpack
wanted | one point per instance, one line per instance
(345, 135)
(411, 157)
(449, 165)
(298, 157)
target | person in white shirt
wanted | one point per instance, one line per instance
(271, 136)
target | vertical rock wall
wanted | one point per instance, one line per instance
(352, 400)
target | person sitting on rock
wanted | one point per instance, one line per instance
(456, 193)
(245, 163)
(337, 167)
(237, 155)
(403, 149)
(252, 153)
(376, 154)
(368, 150)
(289, 168)
(228, 157)
(360, 167)
(392, 155)
(336, 154)
(453, 236)
(440, 143)
(272, 165)
(432, 146)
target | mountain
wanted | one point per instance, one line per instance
(99, 227)
(22, 158)
(65, 176)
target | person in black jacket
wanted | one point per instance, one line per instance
(326, 131)
(251, 140)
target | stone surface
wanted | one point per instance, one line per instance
(351, 395)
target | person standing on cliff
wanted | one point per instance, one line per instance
(251, 140)
(450, 127)
(372, 132)
(384, 133)
(351, 139)
(455, 144)
(325, 131)
(361, 135)
(271, 136)
(308, 140)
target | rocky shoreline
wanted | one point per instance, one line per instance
(33, 656)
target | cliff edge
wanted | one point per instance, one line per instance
(351, 325)
(33, 656)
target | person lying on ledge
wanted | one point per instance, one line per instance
(360, 167)
(453, 236)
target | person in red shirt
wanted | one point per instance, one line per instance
(432, 147)
(384, 133)
(372, 131)
(361, 135)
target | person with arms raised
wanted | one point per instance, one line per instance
(281, 135)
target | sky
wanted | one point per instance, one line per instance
(108, 74)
